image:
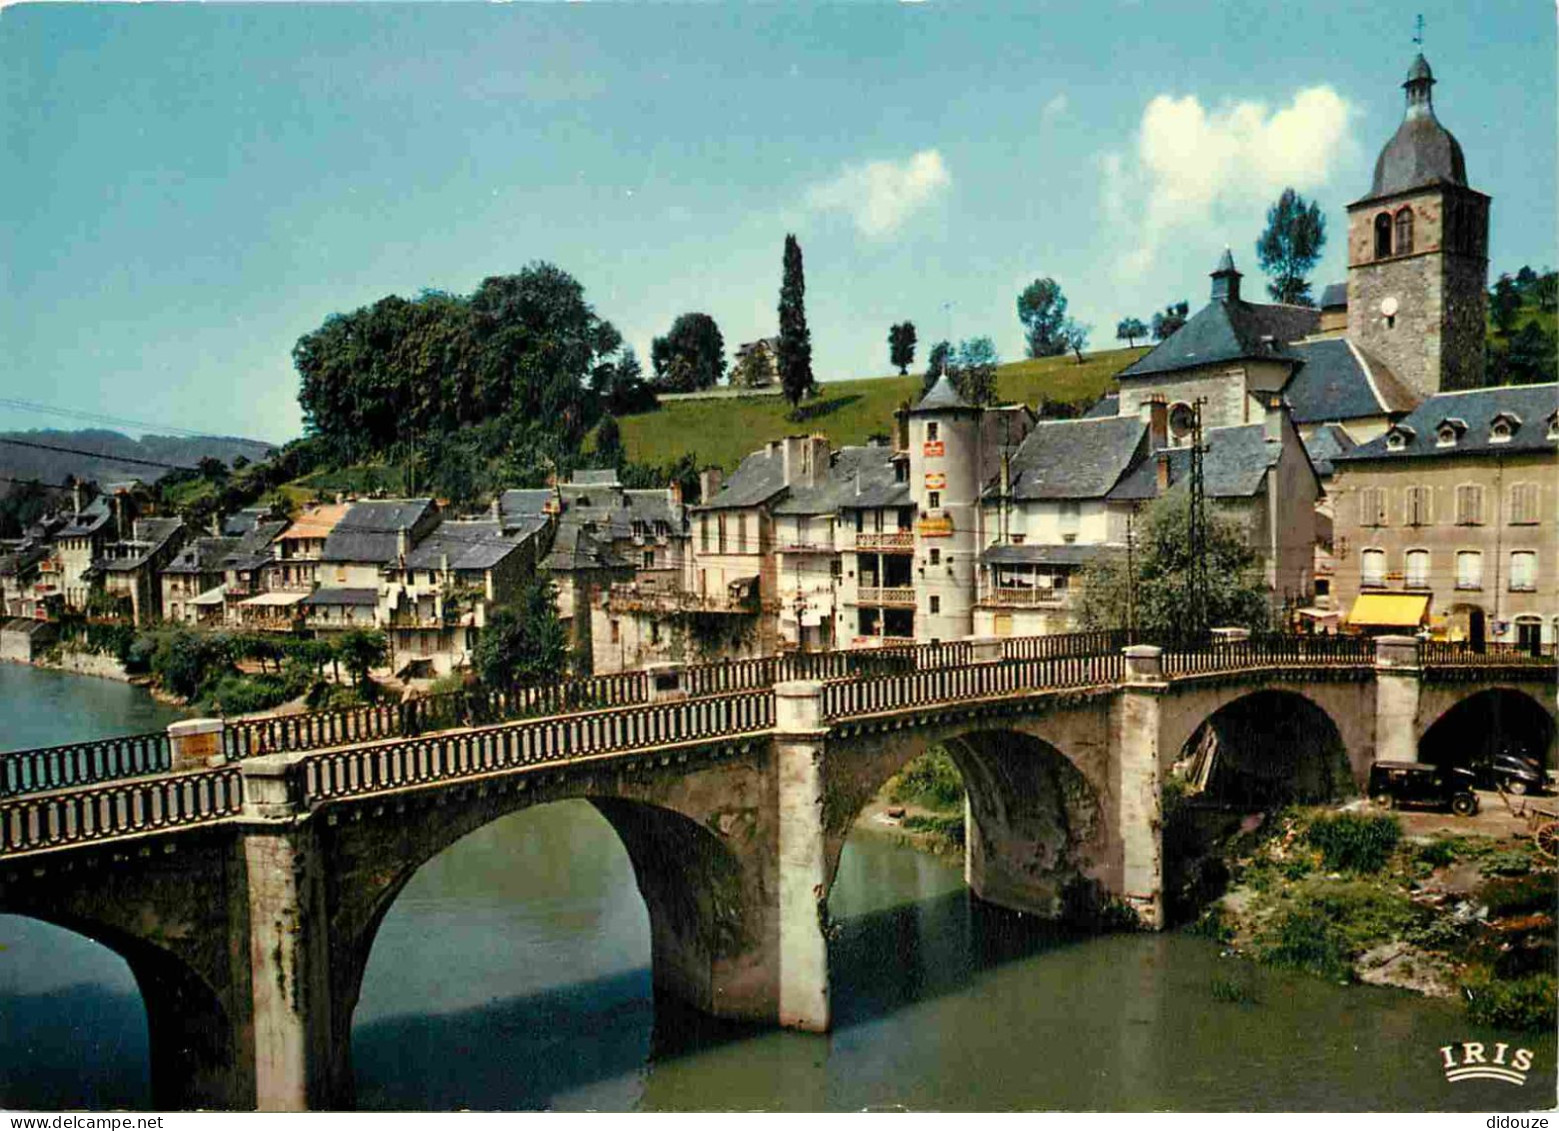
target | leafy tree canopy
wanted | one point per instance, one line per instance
(691, 356)
(524, 643)
(1290, 246)
(1042, 310)
(1170, 319)
(1128, 330)
(1505, 304)
(938, 362)
(1236, 592)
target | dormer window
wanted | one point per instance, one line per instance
(1398, 437)
(1503, 427)
(1448, 431)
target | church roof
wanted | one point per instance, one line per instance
(1338, 381)
(1422, 152)
(1228, 331)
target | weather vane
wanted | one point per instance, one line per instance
(1418, 34)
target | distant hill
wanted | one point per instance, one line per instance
(847, 412)
(111, 456)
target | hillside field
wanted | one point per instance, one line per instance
(847, 412)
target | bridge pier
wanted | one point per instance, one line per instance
(799, 744)
(1139, 785)
(1397, 686)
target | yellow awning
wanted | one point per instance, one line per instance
(1389, 610)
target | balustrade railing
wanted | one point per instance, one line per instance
(124, 808)
(355, 771)
(1462, 653)
(82, 763)
(1266, 650)
(969, 681)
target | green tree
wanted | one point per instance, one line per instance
(691, 356)
(1505, 305)
(1042, 310)
(1546, 291)
(974, 371)
(901, 346)
(795, 340)
(1237, 594)
(609, 443)
(1529, 357)
(939, 362)
(361, 650)
(621, 387)
(1170, 319)
(1074, 335)
(1290, 246)
(524, 643)
(1128, 330)
(184, 661)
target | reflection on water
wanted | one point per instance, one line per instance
(513, 973)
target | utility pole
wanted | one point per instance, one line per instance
(1131, 576)
(1197, 576)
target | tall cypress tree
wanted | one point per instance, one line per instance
(795, 340)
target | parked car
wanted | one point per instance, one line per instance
(1516, 772)
(1423, 783)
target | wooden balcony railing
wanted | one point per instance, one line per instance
(885, 540)
(894, 596)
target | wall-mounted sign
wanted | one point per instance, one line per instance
(935, 481)
(935, 526)
(933, 448)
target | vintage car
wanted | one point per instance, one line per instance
(1423, 783)
(1517, 773)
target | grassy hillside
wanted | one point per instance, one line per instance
(847, 412)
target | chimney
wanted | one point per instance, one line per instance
(674, 495)
(1226, 280)
(402, 543)
(496, 510)
(796, 451)
(821, 458)
(216, 525)
(1163, 471)
(75, 497)
(901, 430)
(1155, 412)
(709, 483)
(1273, 420)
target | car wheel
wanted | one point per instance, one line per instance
(1464, 804)
(1516, 786)
(1384, 800)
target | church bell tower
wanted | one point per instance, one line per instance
(1418, 254)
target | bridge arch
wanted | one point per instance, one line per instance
(1266, 747)
(1041, 834)
(191, 1037)
(1344, 709)
(1484, 721)
(700, 885)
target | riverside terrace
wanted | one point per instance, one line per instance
(245, 893)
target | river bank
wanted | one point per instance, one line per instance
(1358, 895)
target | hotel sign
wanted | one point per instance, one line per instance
(936, 526)
(935, 481)
(933, 449)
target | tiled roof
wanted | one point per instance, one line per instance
(529, 501)
(857, 477)
(203, 555)
(93, 517)
(1533, 405)
(1107, 405)
(1075, 459)
(1338, 381)
(149, 535)
(1335, 295)
(370, 531)
(469, 545)
(1236, 461)
(1327, 442)
(354, 597)
(942, 396)
(319, 522)
(1227, 331)
(1040, 555)
(1422, 151)
(759, 478)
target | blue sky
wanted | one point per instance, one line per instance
(189, 188)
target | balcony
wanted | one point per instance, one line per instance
(1023, 598)
(891, 596)
(792, 546)
(886, 540)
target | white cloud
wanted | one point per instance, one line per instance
(881, 195)
(1214, 172)
(1054, 108)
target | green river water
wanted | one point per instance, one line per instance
(513, 973)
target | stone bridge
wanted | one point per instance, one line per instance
(245, 895)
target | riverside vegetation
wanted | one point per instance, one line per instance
(1344, 895)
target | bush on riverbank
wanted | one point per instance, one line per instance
(1322, 925)
(1520, 1003)
(931, 781)
(1355, 842)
